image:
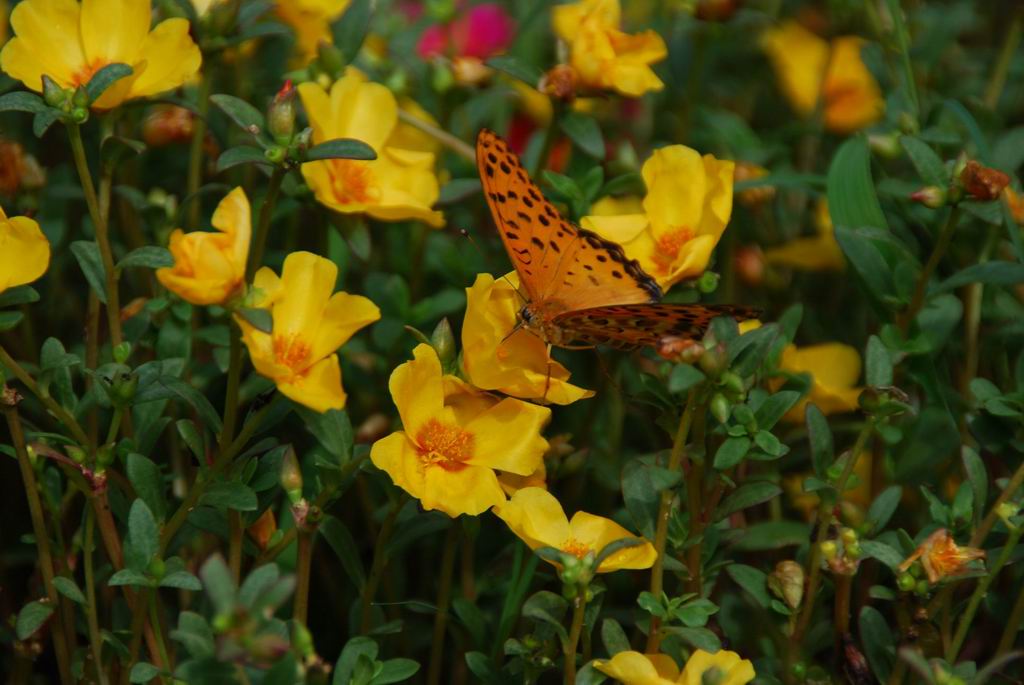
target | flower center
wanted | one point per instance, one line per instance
(576, 548)
(85, 74)
(443, 445)
(352, 181)
(667, 246)
(291, 351)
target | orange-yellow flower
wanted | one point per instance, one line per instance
(536, 517)
(818, 253)
(455, 437)
(516, 364)
(309, 325)
(70, 42)
(1016, 202)
(311, 21)
(209, 268)
(399, 184)
(685, 212)
(810, 69)
(941, 557)
(634, 668)
(24, 251)
(834, 370)
(602, 55)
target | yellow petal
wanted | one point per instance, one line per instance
(634, 668)
(47, 41)
(596, 532)
(408, 137)
(318, 388)
(307, 284)
(718, 200)
(507, 436)
(233, 216)
(363, 110)
(676, 186)
(615, 206)
(170, 58)
(732, 670)
(853, 99)
(620, 229)
(820, 253)
(24, 251)
(417, 389)
(470, 490)
(204, 270)
(799, 59)
(691, 261)
(833, 365)
(267, 287)
(114, 30)
(567, 18)
(536, 517)
(344, 315)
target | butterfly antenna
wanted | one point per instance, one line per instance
(490, 267)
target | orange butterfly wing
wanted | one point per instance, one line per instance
(555, 258)
(637, 325)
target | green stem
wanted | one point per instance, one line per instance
(95, 639)
(1013, 626)
(921, 288)
(824, 520)
(1011, 42)
(979, 594)
(444, 596)
(454, 144)
(35, 508)
(154, 620)
(664, 512)
(844, 586)
(195, 158)
(58, 411)
(303, 564)
(115, 425)
(102, 235)
(1016, 481)
(235, 532)
(579, 605)
(219, 464)
(230, 415)
(900, 30)
(263, 225)
(138, 619)
(380, 559)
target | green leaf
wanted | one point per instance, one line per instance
(9, 320)
(695, 613)
(242, 154)
(22, 294)
(333, 430)
(775, 407)
(149, 257)
(584, 131)
(257, 583)
(396, 671)
(195, 634)
(772, 535)
(701, 638)
(616, 546)
(182, 580)
(143, 536)
(167, 387)
(878, 363)
(127, 576)
(42, 121)
(143, 672)
(852, 201)
(22, 101)
(820, 437)
(753, 581)
(344, 545)
(614, 637)
(747, 495)
(231, 495)
(69, 588)
(516, 68)
(548, 608)
(188, 432)
(879, 642)
(218, 584)
(104, 78)
(683, 377)
(115, 149)
(866, 259)
(354, 648)
(928, 164)
(884, 553)
(351, 29)
(283, 672)
(31, 618)
(260, 319)
(989, 273)
(731, 452)
(87, 253)
(978, 477)
(245, 116)
(148, 482)
(340, 148)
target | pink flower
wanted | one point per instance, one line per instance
(483, 31)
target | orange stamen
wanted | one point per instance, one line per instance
(449, 447)
(352, 182)
(667, 246)
(291, 351)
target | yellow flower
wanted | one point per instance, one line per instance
(536, 517)
(817, 253)
(70, 42)
(516, 364)
(688, 204)
(634, 668)
(399, 184)
(602, 55)
(809, 69)
(512, 483)
(835, 369)
(24, 251)
(1016, 202)
(209, 268)
(311, 21)
(455, 437)
(309, 325)
(941, 557)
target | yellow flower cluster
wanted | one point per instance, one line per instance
(722, 668)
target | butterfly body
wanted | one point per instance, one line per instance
(581, 290)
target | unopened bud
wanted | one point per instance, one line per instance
(281, 115)
(104, 456)
(442, 78)
(122, 388)
(708, 282)
(291, 475)
(849, 536)
(733, 383)
(886, 145)
(676, 348)
(122, 351)
(720, 407)
(53, 94)
(443, 342)
(930, 196)
(470, 71)
(80, 98)
(714, 360)
(922, 587)
(905, 582)
(749, 265)
(560, 83)
(787, 582)
(829, 550)
(79, 115)
(275, 154)
(853, 550)
(752, 197)
(75, 453)
(166, 125)
(263, 529)
(1006, 511)
(157, 568)
(983, 183)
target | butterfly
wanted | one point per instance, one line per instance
(581, 290)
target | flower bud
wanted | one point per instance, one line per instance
(983, 183)
(675, 348)
(122, 352)
(470, 71)
(853, 550)
(53, 94)
(75, 453)
(291, 475)
(932, 197)
(79, 115)
(886, 145)
(275, 154)
(281, 115)
(787, 583)
(157, 568)
(849, 536)
(905, 582)
(908, 124)
(443, 342)
(708, 282)
(733, 383)
(749, 265)
(302, 639)
(442, 78)
(104, 456)
(80, 98)
(829, 550)
(922, 587)
(167, 125)
(714, 361)
(122, 388)
(1006, 511)
(560, 83)
(720, 407)
(263, 529)
(222, 622)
